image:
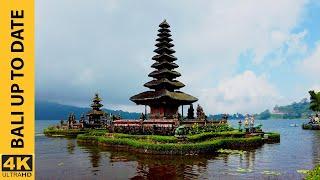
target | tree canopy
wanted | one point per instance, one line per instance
(314, 101)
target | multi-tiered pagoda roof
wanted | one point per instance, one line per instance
(96, 105)
(164, 86)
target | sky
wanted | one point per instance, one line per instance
(235, 56)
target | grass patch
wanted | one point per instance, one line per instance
(62, 132)
(97, 132)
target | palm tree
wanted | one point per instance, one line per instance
(314, 101)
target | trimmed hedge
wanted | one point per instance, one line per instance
(155, 138)
(190, 138)
(210, 135)
(210, 127)
(173, 148)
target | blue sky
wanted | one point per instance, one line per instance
(235, 56)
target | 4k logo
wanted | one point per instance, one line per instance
(16, 162)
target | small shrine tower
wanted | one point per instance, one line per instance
(164, 98)
(95, 114)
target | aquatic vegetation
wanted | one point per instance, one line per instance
(61, 164)
(242, 170)
(231, 151)
(274, 173)
(303, 171)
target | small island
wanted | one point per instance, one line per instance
(163, 130)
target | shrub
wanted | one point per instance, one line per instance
(314, 174)
(209, 135)
(155, 138)
(144, 130)
(196, 129)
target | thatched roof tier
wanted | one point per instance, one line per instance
(164, 64)
(164, 38)
(164, 34)
(164, 43)
(164, 30)
(164, 57)
(167, 50)
(96, 102)
(163, 97)
(164, 73)
(164, 83)
(95, 112)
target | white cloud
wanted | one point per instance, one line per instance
(311, 65)
(292, 46)
(310, 69)
(106, 46)
(245, 93)
(232, 27)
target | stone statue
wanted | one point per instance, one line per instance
(190, 112)
(200, 113)
(143, 117)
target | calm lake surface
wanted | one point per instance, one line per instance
(60, 158)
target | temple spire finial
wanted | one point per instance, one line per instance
(164, 24)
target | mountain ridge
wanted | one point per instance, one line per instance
(54, 111)
(45, 110)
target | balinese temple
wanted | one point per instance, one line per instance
(164, 97)
(95, 114)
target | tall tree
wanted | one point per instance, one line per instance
(314, 101)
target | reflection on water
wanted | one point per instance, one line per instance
(59, 158)
(70, 146)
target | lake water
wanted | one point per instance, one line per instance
(60, 158)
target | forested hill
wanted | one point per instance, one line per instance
(54, 111)
(294, 110)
